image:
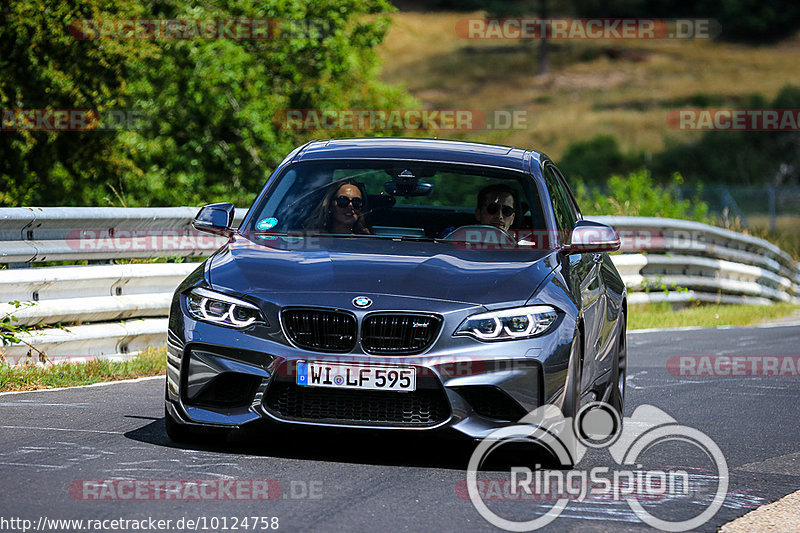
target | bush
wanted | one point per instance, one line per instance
(740, 157)
(597, 159)
(637, 195)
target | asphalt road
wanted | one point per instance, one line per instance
(52, 441)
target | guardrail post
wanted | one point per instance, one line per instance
(771, 201)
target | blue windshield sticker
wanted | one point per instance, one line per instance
(267, 223)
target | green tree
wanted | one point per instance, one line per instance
(42, 66)
(752, 21)
(597, 159)
(210, 107)
(742, 157)
(215, 106)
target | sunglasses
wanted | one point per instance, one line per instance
(344, 201)
(492, 209)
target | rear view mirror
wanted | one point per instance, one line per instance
(592, 237)
(215, 218)
(406, 189)
(406, 182)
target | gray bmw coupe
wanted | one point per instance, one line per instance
(398, 284)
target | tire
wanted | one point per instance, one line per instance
(179, 432)
(572, 403)
(176, 431)
(572, 398)
(617, 398)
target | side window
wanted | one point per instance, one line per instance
(562, 206)
(572, 203)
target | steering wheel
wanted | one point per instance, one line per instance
(480, 233)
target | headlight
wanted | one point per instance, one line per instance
(217, 308)
(516, 323)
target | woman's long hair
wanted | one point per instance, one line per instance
(322, 219)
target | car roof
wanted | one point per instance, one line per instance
(415, 149)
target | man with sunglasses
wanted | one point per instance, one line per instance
(496, 206)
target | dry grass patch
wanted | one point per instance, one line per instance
(587, 93)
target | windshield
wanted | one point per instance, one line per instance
(399, 199)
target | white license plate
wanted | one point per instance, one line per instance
(316, 374)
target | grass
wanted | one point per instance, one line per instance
(786, 235)
(586, 93)
(151, 362)
(661, 315)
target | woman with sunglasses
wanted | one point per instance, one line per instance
(342, 210)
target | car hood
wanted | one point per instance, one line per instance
(368, 266)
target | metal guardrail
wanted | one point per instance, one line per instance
(39, 234)
(93, 293)
(709, 264)
(710, 261)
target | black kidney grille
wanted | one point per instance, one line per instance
(320, 330)
(423, 407)
(387, 333)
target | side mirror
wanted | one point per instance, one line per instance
(215, 218)
(592, 237)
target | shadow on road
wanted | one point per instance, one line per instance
(324, 444)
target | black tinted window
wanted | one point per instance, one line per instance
(561, 202)
(300, 198)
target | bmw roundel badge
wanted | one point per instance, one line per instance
(362, 302)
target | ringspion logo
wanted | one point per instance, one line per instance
(596, 426)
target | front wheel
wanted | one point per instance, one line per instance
(179, 432)
(617, 399)
(176, 431)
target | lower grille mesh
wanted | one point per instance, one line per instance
(491, 402)
(423, 407)
(229, 389)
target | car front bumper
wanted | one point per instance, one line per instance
(218, 376)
